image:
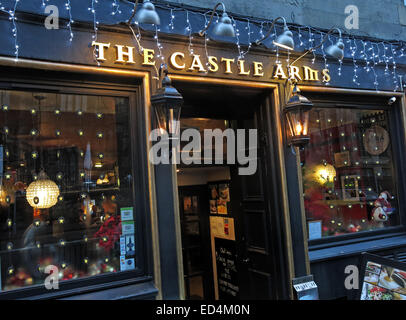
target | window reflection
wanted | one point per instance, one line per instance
(66, 187)
(348, 172)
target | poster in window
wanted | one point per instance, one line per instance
(221, 206)
(383, 279)
(129, 245)
(187, 204)
(224, 192)
(213, 191)
(213, 206)
(342, 159)
(315, 229)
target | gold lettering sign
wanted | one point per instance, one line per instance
(195, 63)
(310, 74)
(174, 62)
(128, 52)
(148, 55)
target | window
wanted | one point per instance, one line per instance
(348, 172)
(66, 187)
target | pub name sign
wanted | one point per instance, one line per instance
(178, 61)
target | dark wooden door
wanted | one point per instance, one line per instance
(261, 265)
(194, 215)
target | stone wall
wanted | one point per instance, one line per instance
(384, 19)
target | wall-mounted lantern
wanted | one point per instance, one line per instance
(297, 117)
(167, 102)
(147, 14)
(224, 27)
(284, 40)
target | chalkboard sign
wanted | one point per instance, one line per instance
(227, 275)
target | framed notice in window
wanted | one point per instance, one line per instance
(342, 159)
(315, 228)
(349, 187)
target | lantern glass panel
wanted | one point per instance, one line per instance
(298, 122)
(167, 117)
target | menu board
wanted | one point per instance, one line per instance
(227, 276)
(383, 279)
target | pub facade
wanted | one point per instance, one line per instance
(81, 199)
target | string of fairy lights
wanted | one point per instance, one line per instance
(366, 55)
(35, 134)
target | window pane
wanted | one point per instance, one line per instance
(66, 194)
(348, 172)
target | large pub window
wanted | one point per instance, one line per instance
(348, 171)
(66, 187)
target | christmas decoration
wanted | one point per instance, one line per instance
(42, 193)
(382, 209)
(366, 54)
(109, 233)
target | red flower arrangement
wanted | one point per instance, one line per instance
(109, 233)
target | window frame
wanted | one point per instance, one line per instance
(397, 136)
(100, 85)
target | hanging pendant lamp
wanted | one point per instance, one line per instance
(42, 193)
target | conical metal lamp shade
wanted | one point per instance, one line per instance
(336, 50)
(285, 40)
(147, 14)
(224, 28)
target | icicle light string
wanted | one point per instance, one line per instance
(373, 65)
(385, 59)
(402, 52)
(92, 9)
(137, 37)
(378, 56)
(322, 50)
(248, 28)
(115, 8)
(277, 47)
(189, 30)
(310, 44)
(13, 19)
(206, 38)
(159, 55)
(372, 58)
(395, 77)
(159, 45)
(237, 37)
(355, 75)
(69, 24)
(261, 31)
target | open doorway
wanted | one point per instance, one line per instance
(225, 217)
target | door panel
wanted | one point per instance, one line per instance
(253, 223)
(196, 242)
